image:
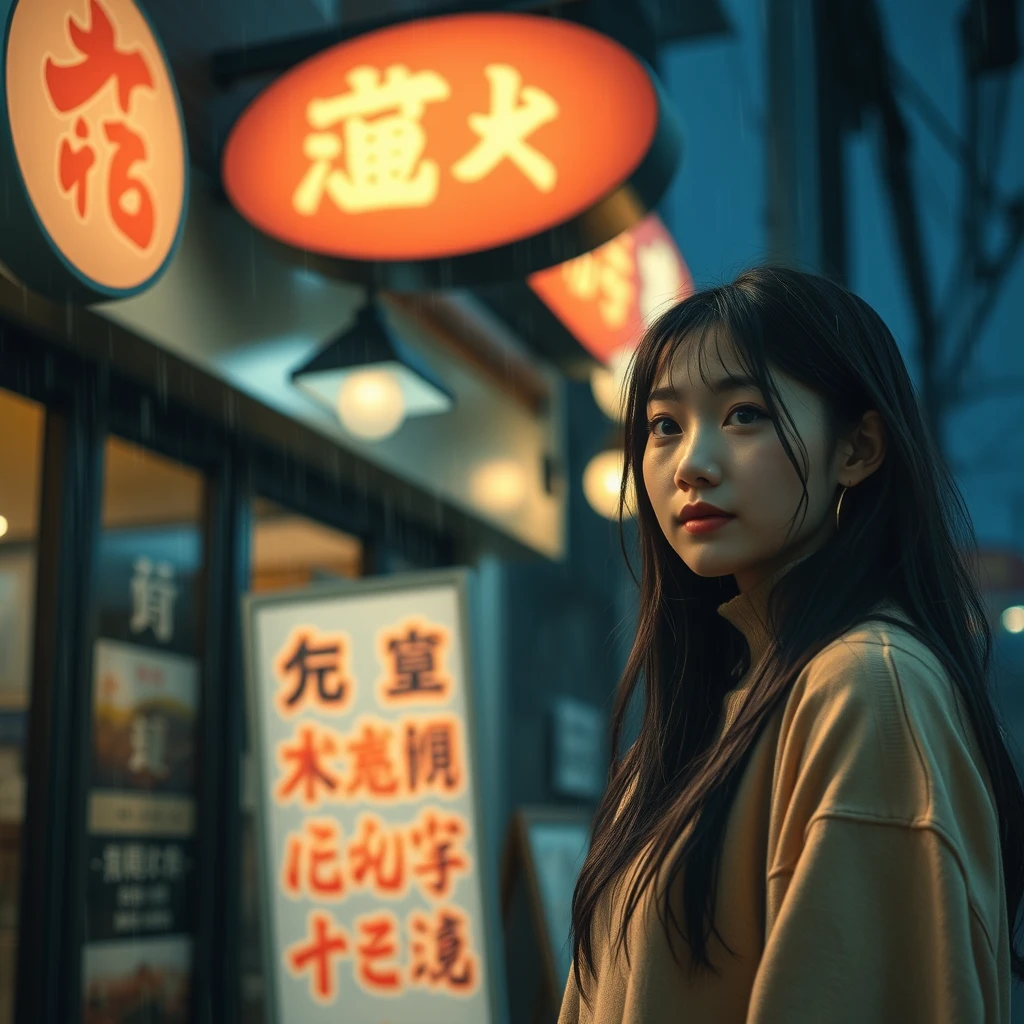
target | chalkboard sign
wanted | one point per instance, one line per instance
(545, 850)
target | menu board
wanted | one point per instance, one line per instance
(544, 852)
(369, 833)
(140, 844)
(557, 848)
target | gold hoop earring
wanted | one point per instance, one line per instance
(839, 505)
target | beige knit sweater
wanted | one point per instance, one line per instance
(861, 877)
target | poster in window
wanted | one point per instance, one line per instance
(140, 845)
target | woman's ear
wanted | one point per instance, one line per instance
(862, 450)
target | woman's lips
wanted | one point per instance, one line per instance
(706, 524)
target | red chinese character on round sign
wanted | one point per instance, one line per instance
(71, 87)
(98, 136)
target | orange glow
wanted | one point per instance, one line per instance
(605, 297)
(440, 137)
(98, 136)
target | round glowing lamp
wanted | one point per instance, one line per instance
(1013, 619)
(602, 483)
(371, 379)
(499, 486)
(3, 525)
(371, 404)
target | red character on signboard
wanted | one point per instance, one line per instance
(431, 754)
(413, 656)
(317, 954)
(377, 941)
(73, 85)
(313, 861)
(311, 667)
(308, 756)
(75, 164)
(436, 838)
(373, 771)
(70, 87)
(441, 954)
(128, 198)
(606, 276)
(376, 856)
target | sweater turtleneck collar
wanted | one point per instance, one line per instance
(748, 612)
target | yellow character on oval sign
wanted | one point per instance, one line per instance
(382, 161)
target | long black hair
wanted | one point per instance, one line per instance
(906, 537)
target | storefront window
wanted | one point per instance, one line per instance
(20, 469)
(137, 959)
(288, 552)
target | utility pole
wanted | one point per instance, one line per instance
(829, 69)
(807, 118)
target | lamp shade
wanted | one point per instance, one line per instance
(371, 350)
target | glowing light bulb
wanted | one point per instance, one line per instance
(499, 486)
(602, 481)
(3, 525)
(1013, 619)
(609, 384)
(371, 405)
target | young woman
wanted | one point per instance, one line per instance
(819, 820)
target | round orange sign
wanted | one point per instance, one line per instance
(96, 140)
(606, 298)
(465, 143)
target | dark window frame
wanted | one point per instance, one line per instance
(84, 403)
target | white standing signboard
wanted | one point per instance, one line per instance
(376, 911)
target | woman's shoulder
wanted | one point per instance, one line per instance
(876, 712)
(879, 657)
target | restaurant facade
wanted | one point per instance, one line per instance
(174, 441)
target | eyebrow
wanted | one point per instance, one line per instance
(718, 387)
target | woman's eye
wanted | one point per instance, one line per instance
(659, 426)
(758, 414)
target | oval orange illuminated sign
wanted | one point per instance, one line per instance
(95, 140)
(464, 145)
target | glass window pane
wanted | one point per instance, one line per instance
(21, 422)
(137, 960)
(289, 551)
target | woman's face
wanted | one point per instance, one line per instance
(718, 445)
